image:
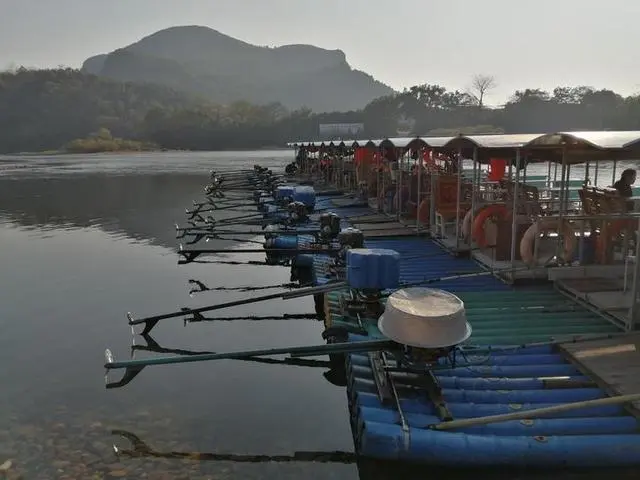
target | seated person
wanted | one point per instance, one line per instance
(623, 186)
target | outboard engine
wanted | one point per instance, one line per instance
(329, 227)
(307, 195)
(269, 233)
(348, 239)
(297, 212)
(279, 249)
(283, 194)
(291, 169)
(257, 194)
(264, 202)
(369, 272)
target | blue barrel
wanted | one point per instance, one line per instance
(285, 241)
(285, 191)
(377, 269)
(306, 195)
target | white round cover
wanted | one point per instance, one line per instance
(425, 318)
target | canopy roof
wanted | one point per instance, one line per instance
(574, 147)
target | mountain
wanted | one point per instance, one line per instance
(203, 61)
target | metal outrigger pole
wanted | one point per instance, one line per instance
(151, 322)
(134, 367)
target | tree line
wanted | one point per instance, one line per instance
(64, 109)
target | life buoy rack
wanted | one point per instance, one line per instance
(528, 242)
(481, 217)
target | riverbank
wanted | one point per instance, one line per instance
(157, 149)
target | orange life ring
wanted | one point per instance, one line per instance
(527, 244)
(466, 222)
(477, 231)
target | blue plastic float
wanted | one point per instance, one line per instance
(485, 383)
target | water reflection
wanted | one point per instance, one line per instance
(80, 247)
(138, 196)
(141, 207)
(141, 449)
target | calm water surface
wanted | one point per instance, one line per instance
(83, 240)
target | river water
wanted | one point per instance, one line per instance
(84, 239)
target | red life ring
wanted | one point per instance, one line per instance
(486, 212)
(527, 244)
(466, 222)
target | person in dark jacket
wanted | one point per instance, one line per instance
(623, 186)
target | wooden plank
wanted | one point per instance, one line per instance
(621, 314)
(613, 363)
(370, 218)
(616, 304)
(396, 232)
(348, 201)
(610, 300)
(592, 285)
(586, 271)
(365, 227)
(502, 267)
(449, 242)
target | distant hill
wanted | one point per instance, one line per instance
(203, 61)
(68, 110)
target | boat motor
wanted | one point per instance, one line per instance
(259, 193)
(348, 238)
(369, 273)
(329, 227)
(297, 212)
(283, 195)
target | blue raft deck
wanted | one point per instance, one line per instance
(525, 368)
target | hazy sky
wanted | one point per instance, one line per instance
(402, 42)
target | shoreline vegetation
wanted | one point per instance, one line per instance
(65, 111)
(103, 142)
